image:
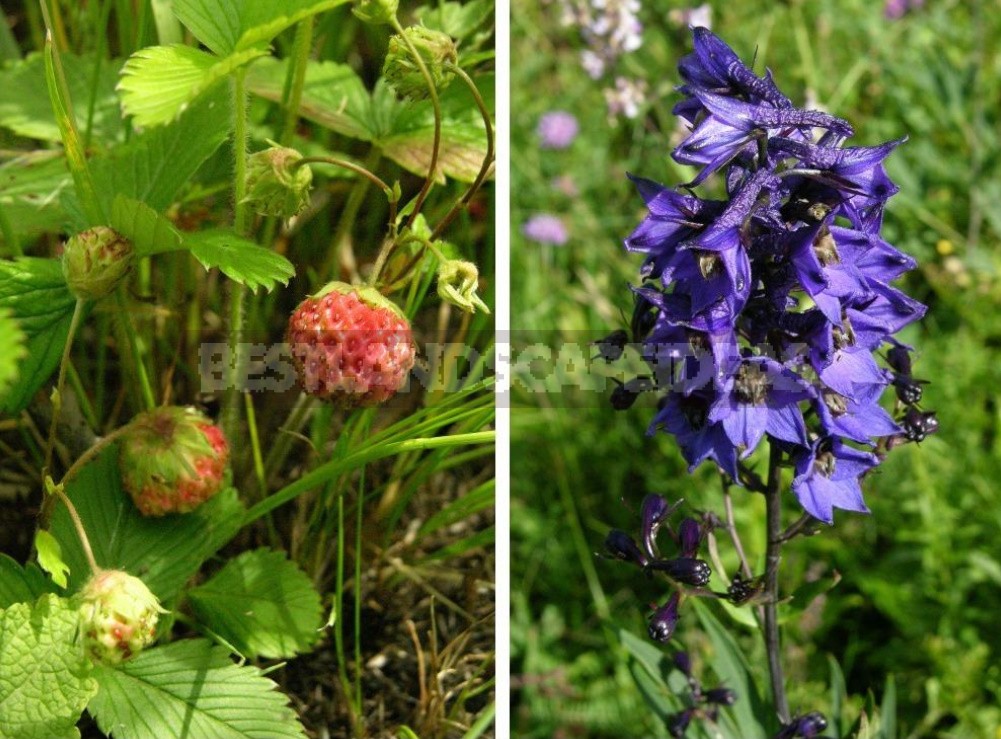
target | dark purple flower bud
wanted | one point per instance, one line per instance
(677, 723)
(917, 425)
(899, 359)
(625, 394)
(643, 319)
(721, 696)
(687, 570)
(743, 591)
(612, 346)
(689, 537)
(665, 619)
(655, 511)
(909, 390)
(807, 726)
(622, 546)
(683, 662)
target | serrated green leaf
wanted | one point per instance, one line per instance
(21, 584)
(190, 689)
(50, 557)
(456, 19)
(27, 113)
(410, 137)
(159, 82)
(733, 669)
(45, 679)
(262, 604)
(35, 293)
(225, 26)
(333, 95)
(165, 552)
(12, 341)
(149, 232)
(30, 188)
(157, 163)
(240, 259)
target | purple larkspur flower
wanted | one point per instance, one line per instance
(664, 620)
(546, 229)
(557, 129)
(766, 314)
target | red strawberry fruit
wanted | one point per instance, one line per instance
(172, 460)
(350, 345)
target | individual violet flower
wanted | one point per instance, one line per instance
(557, 130)
(546, 229)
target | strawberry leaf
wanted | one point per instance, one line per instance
(239, 259)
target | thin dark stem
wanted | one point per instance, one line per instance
(773, 556)
(801, 526)
(80, 530)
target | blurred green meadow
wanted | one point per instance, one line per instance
(914, 619)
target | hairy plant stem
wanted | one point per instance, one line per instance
(436, 106)
(57, 402)
(237, 293)
(488, 158)
(773, 557)
(78, 525)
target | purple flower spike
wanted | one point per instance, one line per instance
(808, 726)
(687, 570)
(665, 619)
(689, 537)
(721, 696)
(766, 315)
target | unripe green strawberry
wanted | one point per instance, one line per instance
(274, 186)
(350, 345)
(95, 261)
(172, 460)
(436, 50)
(376, 11)
(118, 616)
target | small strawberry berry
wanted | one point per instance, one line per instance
(118, 616)
(172, 460)
(350, 345)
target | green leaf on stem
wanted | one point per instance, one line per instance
(648, 667)
(159, 82)
(165, 552)
(21, 584)
(45, 679)
(29, 114)
(456, 19)
(734, 670)
(225, 26)
(149, 232)
(12, 341)
(262, 604)
(333, 95)
(839, 693)
(32, 184)
(240, 259)
(34, 292)
(190, 688)
(50, 557)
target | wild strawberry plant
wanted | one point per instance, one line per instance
(183, 187)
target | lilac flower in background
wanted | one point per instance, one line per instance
(626, 98)
(546, 229)
(609, 29)
(770, 311)
(699, 16)
(557, 130)
(896, 9)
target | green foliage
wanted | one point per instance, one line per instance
(34, 293)
(164, 552)
(27, 113)
(12, 342)
(239, 259)
(190, 688)
(21, 584)
(50, 557)
(262, 604)
(149, 232)
(45, 680)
